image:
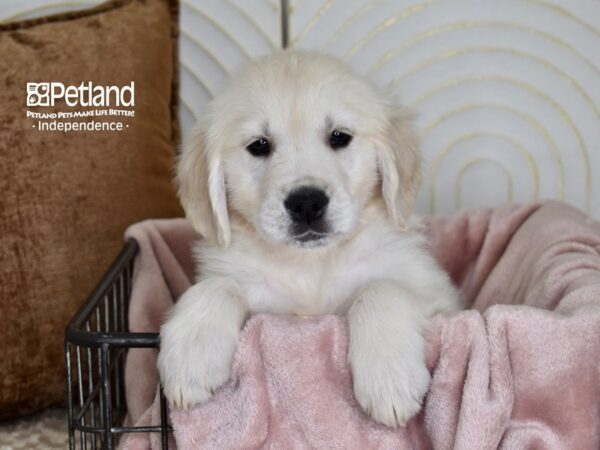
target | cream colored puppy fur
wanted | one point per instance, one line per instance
(370, 262)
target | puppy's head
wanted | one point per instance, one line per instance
(296, 148)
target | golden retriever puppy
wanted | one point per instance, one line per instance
(301, 177)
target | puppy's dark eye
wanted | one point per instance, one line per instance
(339, 139)
(260, 148)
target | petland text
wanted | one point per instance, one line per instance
(86, 94)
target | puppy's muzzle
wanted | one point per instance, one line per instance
(306, 207)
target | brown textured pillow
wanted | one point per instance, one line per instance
(66, 198)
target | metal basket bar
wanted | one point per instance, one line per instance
(106, 392)
(106, 283)
(114, 339)
(96, 342)
(94, 391)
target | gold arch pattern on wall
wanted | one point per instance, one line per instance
(454, 146)
(567, 14)
(387, 23)
(534, 123)
(421, 6)
(482, 24)
(464, 51)
(353, 19)
(534, 91)
(563, 109)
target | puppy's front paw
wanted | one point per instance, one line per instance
(391, 390)
(193, 366)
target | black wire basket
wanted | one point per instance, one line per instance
(96, 343)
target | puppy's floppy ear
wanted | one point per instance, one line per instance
(201, 182)
(400, 165)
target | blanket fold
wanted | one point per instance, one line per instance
(519, 369)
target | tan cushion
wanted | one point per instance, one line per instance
(66, 198)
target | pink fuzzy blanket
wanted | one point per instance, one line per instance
(520, 369)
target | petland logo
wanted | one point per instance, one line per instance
(86, 94)
(88, 107)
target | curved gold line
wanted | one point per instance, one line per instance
(386, 24)
(254, 23)
(565, 13)
(526, 117)
(463, 51)
(470, 163)
(196, 77)
(217, 25)
(532, 90)
(187, 106)
(351, 21)
(437, 161)
(477, 24)
(420, 7)
(204, 48)
(311, 23)
(20, 14)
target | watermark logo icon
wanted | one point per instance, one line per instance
(84, 94)
(38, 94)
(80, 107)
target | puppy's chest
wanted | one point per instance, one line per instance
(307, 292)
(312, 286)
(316, 288)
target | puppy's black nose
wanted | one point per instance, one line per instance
(306, 204)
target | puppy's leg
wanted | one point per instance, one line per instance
(198, 340)
(387, 352)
